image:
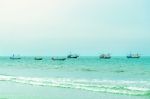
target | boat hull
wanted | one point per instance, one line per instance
(58, 59)
(72, 56)
(38, 58)
(105, 57)
(133, 57)
(14, 58)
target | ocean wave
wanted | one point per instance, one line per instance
(95, 85)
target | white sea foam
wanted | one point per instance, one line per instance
(107, 86)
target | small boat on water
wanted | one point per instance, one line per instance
(38, 58)
(15, 57)
(133, 56)
(58, 58)
(72, 56)
(105, 56)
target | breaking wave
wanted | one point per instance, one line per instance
(95, 85)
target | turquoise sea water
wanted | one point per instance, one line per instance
(85, 77)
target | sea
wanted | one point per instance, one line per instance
(86, 77)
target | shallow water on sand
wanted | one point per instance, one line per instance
(85, 77)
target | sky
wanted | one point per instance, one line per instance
(85, 27)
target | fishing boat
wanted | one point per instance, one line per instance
(15, 57)
(38, 58)
(105, 56)
(72, 56)
(58, 58)
(133, 56)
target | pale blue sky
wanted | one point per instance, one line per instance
(86, 27)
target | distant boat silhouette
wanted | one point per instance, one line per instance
(72, 56)
(105, 56)
(133, 56)
(15, 57)
(58, 58)
(38, 58)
